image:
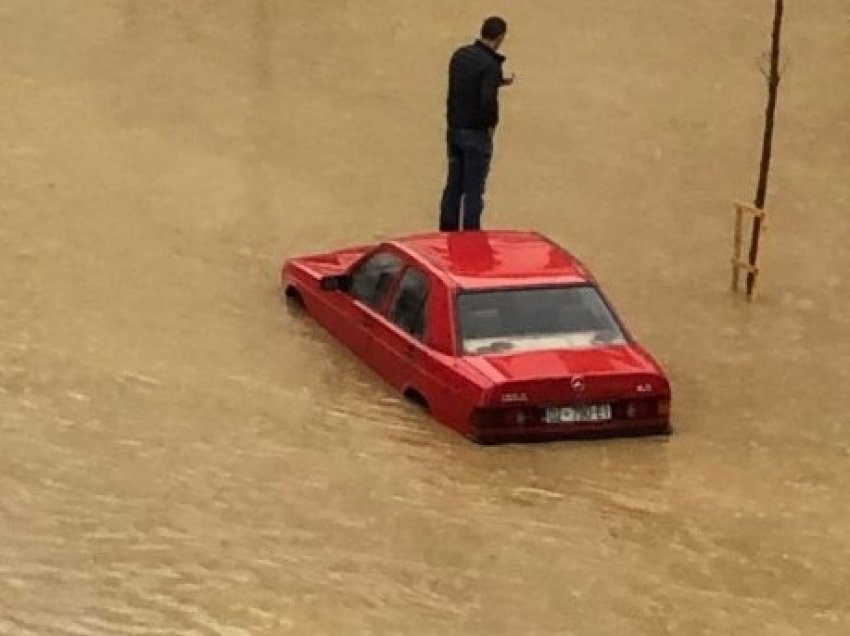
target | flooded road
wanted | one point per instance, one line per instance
(182, 455)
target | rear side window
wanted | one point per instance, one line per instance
(408, 310)
(373, 278)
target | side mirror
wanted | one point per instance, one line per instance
(338, 282)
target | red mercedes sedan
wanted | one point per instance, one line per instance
(502, 335)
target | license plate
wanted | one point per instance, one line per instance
(571, 414)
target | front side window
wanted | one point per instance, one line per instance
(408, 310)
(569, 317)
(373, 278)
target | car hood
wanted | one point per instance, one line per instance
(329, 263)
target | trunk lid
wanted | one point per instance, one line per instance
(571, 376)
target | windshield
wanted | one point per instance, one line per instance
(528, 319)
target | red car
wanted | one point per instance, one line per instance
(501, 335)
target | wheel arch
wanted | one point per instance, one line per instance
(415, 396)
(291, 292)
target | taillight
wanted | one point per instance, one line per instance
(511, 416)
(638, 409)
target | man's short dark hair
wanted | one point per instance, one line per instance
(493, 28)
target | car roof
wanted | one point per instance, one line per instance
(496, 258)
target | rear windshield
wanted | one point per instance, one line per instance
(573, 317)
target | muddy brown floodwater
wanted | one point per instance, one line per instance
(179, 454)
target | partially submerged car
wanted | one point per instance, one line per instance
(501, 335)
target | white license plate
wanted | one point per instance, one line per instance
(570, 414)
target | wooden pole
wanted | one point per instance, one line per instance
(767, 142)
(736, 247)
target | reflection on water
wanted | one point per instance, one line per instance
(183, 455)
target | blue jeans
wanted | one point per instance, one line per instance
(469, 154)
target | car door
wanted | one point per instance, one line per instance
(372, 279)
(400, 352)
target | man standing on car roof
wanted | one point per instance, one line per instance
(475, 76)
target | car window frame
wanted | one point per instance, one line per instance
(380, 306)
(423, 275)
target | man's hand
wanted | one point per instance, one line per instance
(507, 81)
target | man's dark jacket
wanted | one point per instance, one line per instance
(475, 74)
